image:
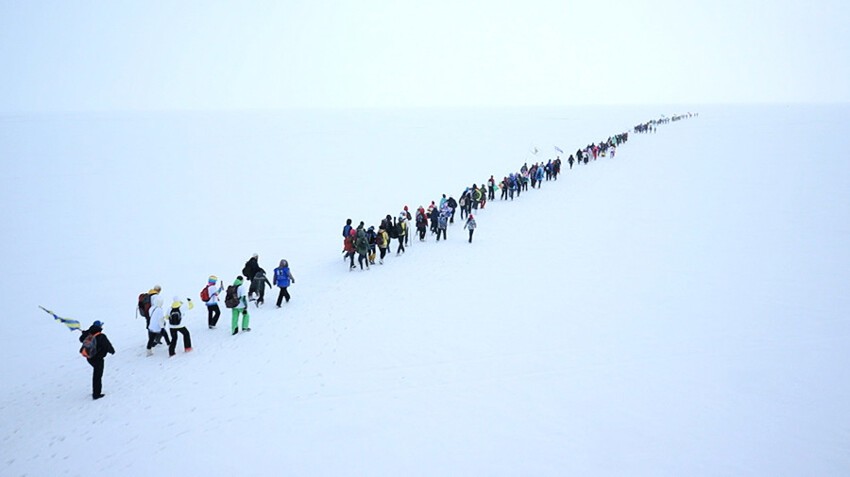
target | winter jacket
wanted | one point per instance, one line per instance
(103, 345)
(384, 240)
(361, 243)
(259, 282)
(348, 243)
(157, 315)
(283, 276)
(470, 224)
(241, 293)
(251, 268)
(213, 291)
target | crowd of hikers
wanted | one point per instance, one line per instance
(167, 323)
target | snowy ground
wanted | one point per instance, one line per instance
(681, 309)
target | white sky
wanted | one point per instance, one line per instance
(86, 55)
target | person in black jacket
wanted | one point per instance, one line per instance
(103, 346)
(251, 268)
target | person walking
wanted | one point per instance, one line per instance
(177, 324)
(156, 327)
(348, 248)
(241, 307)
(421, 223)
(145, 303)
(443, 223)
(101, 346)
(402, 233)
(258, 287)
(213, 290)
(252, 266)
(283, 278)
(470, 225)
(383, 241)
(361, 245)
(157, 321)
(372, 238)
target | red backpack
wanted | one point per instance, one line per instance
(205, 294)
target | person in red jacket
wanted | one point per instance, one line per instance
(348, 247)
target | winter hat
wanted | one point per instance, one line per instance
(157, 288)
(98, 324)
(213, 279)
(255, 256)
(238, 280)
(470, 217)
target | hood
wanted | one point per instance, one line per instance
(237, 282)
(175, 302)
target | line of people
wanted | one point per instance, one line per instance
(366, 243)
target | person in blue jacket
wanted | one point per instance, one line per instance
(283, 278)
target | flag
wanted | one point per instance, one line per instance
(559, 149)
(72, 325)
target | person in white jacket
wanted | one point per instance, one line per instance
(214, 288)
(156, 324)
(177, 324)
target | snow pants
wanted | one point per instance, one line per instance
(96, 376)
(187, 340)
(213, 312)
(284, 293)
(234, 324)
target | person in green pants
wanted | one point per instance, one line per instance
(241, 308)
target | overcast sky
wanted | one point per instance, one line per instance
(116, 55)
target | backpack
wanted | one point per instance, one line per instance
(379, 240)
(89, 348)
(175, 317)
(399, 230)
(205, 294)
(393, 231)
(145, 305)
(231, 298)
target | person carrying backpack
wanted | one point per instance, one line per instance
(95, 347)
(258, 286)
(252, 266)
(421, 223)
(283, 278)
(209, 295)
(240, 307)
(156, 329)
(383, 242)
(470, 225)
(401, 231)
(177, 324)
(452, 203)
(145, 303)
(361, 244)
(348, 248)
(372, 238)
(443, 223)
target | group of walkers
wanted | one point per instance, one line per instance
(165, 323)
(369, 244)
